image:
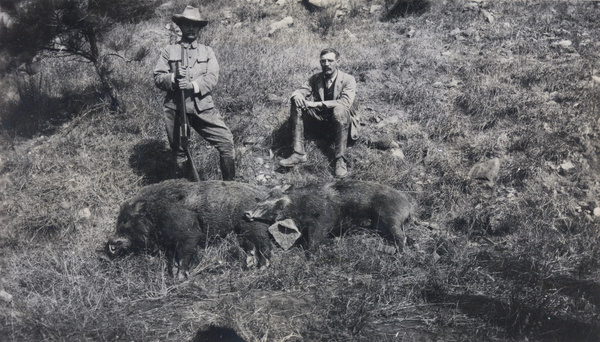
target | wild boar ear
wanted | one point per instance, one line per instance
(139, 207)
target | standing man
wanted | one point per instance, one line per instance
(332, 93)
(198, 76)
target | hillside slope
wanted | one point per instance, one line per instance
(444, 86)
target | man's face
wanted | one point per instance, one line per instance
(329, 63)
(189, 31)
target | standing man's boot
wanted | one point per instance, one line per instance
(227, 168)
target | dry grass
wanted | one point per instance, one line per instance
(511, 262)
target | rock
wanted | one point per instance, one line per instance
(566, 166)
(328, 3)
(471, 6)
(455, 33)
(261, 178)
(281, 2)
(596, 79)
(397, 153)
(486, 171)
(285, 22)
(351, 35)
(375, 8)
(411, 32)
(564, 44)
(6, 297)
(84, 214)
(488, 16)
(597, 211)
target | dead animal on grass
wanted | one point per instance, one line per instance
(175, 216)
(321, 210)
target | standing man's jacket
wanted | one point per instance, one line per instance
(344, 92)
(203, 72)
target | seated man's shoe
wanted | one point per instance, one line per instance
(295, 158)
(340, 168)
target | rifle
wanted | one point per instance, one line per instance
(181, 128)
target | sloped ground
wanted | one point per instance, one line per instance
(452, 86)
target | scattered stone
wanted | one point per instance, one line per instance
(566, 166)
(261, 178)
(328, 3)
(455, 33)
(397, 153)
(488, 16)
(285, 22)
(84, 214)
(375, 9)
(564, 44)
(6, 297)
(471, 6)
(351, 35)
(486, 171)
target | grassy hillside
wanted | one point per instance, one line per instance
(443, 86)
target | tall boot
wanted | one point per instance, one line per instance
(227, 168)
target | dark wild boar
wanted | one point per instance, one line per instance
(321, 210)
(176, 216)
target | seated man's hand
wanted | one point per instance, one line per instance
(300, 102)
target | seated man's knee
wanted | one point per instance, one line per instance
(341, 115)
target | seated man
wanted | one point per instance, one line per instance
(333, 92)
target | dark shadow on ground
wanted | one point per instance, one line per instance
(524, 272)
(403, 8)
(217, 334)
(520, 320)
(320, 132)
(153, 160)
(37, 113)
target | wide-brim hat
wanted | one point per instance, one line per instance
(191, 15)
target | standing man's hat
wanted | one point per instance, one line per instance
(190, 14)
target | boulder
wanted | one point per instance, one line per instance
(486, 171)
(328, 3)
